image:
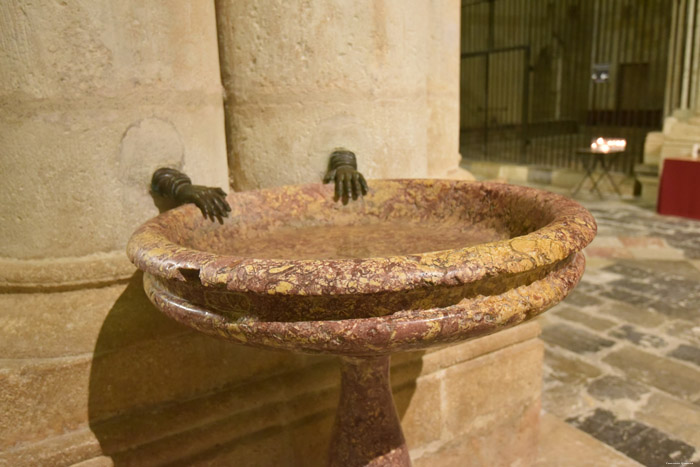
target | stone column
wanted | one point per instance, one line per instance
(681, 128)
(379, 78)
(93, 97)
(443, 90)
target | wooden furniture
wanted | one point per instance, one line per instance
(591, 160)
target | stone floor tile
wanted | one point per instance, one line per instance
(688, 353)
(628, 270)
(593, 263)
(592, 281)
(605, 241)
(656, 253)
(676, 310)
(645, 286)
(565, 400)
(685, 330)
(574, 339)
(608, 252)
(644, 271)
(642, 339)
(563, 445)
(644, 242)
(101, 461)
(695, 264)
(678, 418)
(643, 443)
(580, 316)
(627, 296)
(665, 267)
(569, 370)
(632, 314)
(610, 387)
(580, 299)
(663, 373)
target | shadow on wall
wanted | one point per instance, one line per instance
(162, 393)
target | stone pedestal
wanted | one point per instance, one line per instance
(153, 400)
(367, 430)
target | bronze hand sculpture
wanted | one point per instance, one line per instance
(342, 168)
(173, 184)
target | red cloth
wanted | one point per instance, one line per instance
(679, 191)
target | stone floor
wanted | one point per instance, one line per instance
(623, 350)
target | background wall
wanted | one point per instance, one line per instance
(528, 96)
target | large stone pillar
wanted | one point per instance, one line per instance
(379, 78)
(93, 97)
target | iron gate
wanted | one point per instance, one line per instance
(527, 93)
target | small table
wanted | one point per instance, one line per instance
(592, 159)
(679, 189)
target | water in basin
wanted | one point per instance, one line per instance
(355, 241)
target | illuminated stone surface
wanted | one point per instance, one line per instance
(364, 309)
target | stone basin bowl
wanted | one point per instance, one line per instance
(414, 262)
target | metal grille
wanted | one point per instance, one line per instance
(528, 95)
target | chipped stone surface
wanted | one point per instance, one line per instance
(541, 230)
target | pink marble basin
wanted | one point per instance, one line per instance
(416, 262)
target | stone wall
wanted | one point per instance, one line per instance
(94, 96)
(378, 78)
